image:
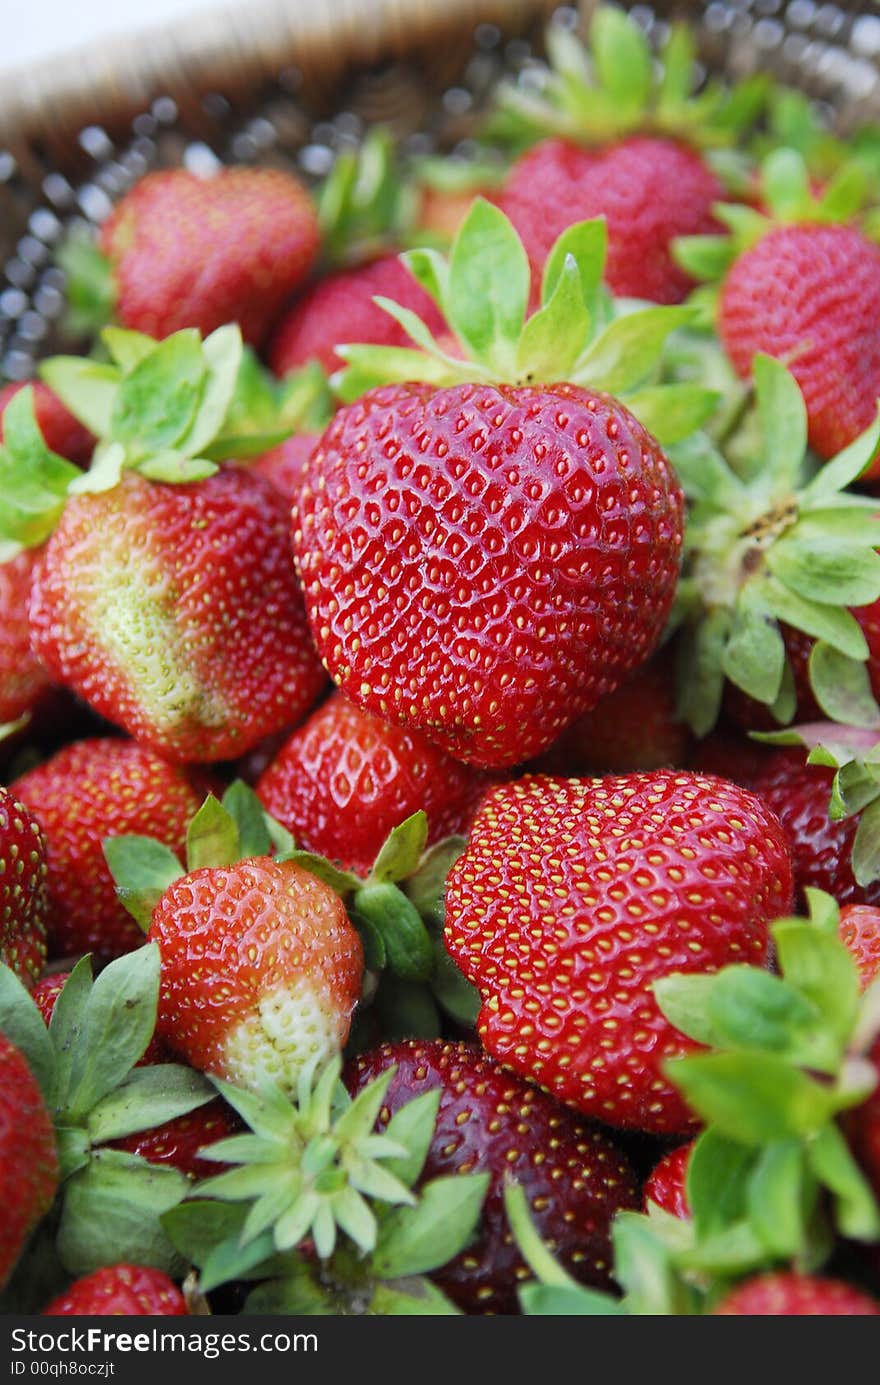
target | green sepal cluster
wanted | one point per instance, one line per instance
(89, 289)
(614, 86)
(109, 1202)
(397, 909)
(34, 481)
(774, 540)
(265, 411)
(579, 334)
(321, 1208)
(771, 1177)
(366, 204)
(785, 190)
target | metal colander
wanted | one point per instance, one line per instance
(272, 84)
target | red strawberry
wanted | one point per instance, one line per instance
(491, 1121)
(821, 850)
(786, 1295)
(45, 994)
(345, 779)
(130, 1291)
(200, 252)
(261, 970)
(25, 686)
(483, 563)
(574, 896)
(666, 1185)
(284, 465)
(88, 791)
(25, 899)
(340, 309)
(863, 1129)
(62, 433)
(860, 930)
(174, 611)
(809, 294)
(28, 1160)
(649, 190)
(177, 1142)
(730, 755)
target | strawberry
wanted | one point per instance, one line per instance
(650, 190)
(25, 687)
(62, 432)
(345, 779)
(261, 970)
(821, 849)
(666, 1184)
(788, 1295)
(340, 308)
(490, 1121)
(28, 1159)
(284, 465)
(198, 252)
(90, 790)
(863, 1127)
(573, 897)
(133, 1291)
(25, 898)
(860, 930)
(174, 611)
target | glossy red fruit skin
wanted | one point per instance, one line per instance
(62, 433)
(90, 790)
(339, 310)
(666, 1185)
(821, 850)
(788, 1295)
(860, 931)
(177, 1142)
(863, 1129)
(25, 686)
(230, 939)
(120, 1290)
(24, 896)
(491, 1121)
(809, 294)
(284, 465)
(483, 563)
(28, 1159)
(574, 896)
(174, 611)
(200, 252)
(346, 778)
(649, 190)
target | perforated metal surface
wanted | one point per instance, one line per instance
(830, 51)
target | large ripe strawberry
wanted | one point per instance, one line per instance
(62, 432)
(340, 308)
(346, 778)
(489, 1120)
(650, 190)
(24, 898)
(261, 970)
(133, 1291)
(574, 896)
(90, 790)
(198, 252)
(784, 1294)
(28, 1158)
(860, 931)
(174, 611)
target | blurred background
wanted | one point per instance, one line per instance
(46, 28)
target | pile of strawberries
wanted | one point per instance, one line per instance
(439, 641)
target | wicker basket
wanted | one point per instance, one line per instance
(291, 82)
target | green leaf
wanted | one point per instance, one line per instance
(87, 388)
(643, 1265)
(108, 462)
(718, 1173)
(753, 1010)
(112, 1211)
(430, 269)
(157, 401)
(175, 468)
(554, 336)
(408, 945)
(704, 257)
(142, 870)
(754, 655)
(413, 1127)
(488, 286)
(342, 881)
(777, 1199)
(782, 414)
(415, 1296)
(866, 846)
(197, 1228)
(838, 627)
(65, 1027)
(629, 349)
(88, 287)
(843, 469)
(622, 59)
(22, 1023)
(222, 354)
(296, 1293)
(699, 675)
(684, 999)
(857, 1213)
(118, 1023)
(671, 413)
(426, 887)
(586, 242)
(754, 1098)
(148, 1097)
(786, 184)
(247, 812)
(452, 990)
(826, 570)
(402, 850)
(212, 837)
(127, 348)
(414, 1240)
(540, 1300)
(232, 1260)
(842, 687)
(34, 481)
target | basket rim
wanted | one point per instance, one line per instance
(238, 47)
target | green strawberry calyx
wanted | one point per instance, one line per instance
(579, 334)
(109, 1201)
(366, 205)
(397, 909)
(613, 86)
(774, 540)
(771, 1178)
(324, 1213)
